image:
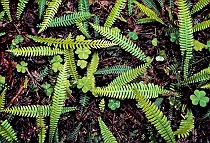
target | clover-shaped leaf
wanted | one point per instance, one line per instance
(114, 104)
(80, 38)
(82, 63)
(199, 97)
(2, 80)
(85, 84)
(21, 67)
(83, 53)
(154, 41)
(133, 35)
(174, 37)
(47, 89)
(56, 59)
(57, 66)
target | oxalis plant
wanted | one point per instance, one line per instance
(125, 86)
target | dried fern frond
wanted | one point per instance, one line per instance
(199, 5)
(5, 5)
(186, 125)
(20, 8)
(114, 13)
(201, 26)
(7, 131)
(106, 133)
(120, 40)
(156, 117)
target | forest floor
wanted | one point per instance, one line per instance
(128, 123)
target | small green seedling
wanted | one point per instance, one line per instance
(47, 89)
(133, 35)
(85, 84)
(21, 67)
(82, 63)
(83, 53)
(56, 63)
(114, 104)
(56, 59)
(2, 82)
(199, 97)
(17, 39)
(154, 41)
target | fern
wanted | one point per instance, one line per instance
(7, 131)
(113, 70)
(96, 22)
(82, 28)
(69, 43)
(50, 12)
(57, 103)
(5, 4)
(130, 7)
(126, 91)
(171, 3)
(102, 105)
(158, 101)
(106, 133)
(129, 75)
(121, 40)
(207, 115)
(36, 51)
(201, 26)
(207, 86)
(41, 126)
(41, 7)
(2, 99)
(20, 8)
(149, 12)
(69, 19)
(84, 99)
(68, 109)
(151, 4)
(70, 64)
(2, 34)
(199, 5)
(185, 126)
(145, 20)
(75, 131)
(114, 13)
(156, 117)
(186, 34)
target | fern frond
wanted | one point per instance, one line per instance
(20, 8)
(84, 99)
(68, 109)
(186, 34)
(145, 20)
(126, 92)
(5, 5)
(70, 43)
(102, 105)
(83, 29)
(114, 13)
(91, 69)
(106, 133)
(36, 51)
(41, 7)
(201, 26)
(151, 4)
(151, 14)
(130, 7)
(121, 40)
(171, 3)
(57, 102)
(156, 117)
(75, 131)
(2, 33)
(70, 64)
(7, 131)
(203, 75)
(129, 75)
(41, 126)
(206, 86)
(96, 22)
(2, 99)
(69, 19)
(113, 70)
(199, 5)
(185, 126)
(50, 13)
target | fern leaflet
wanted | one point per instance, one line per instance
(41, 7)
(20, 8)
(5, 4)
(7, 131)
(201, 26)
(199, 5)
(41, 126)
(113, 70)
(2, 99)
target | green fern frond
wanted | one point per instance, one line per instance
(96, 22)
(158, 101)
(126, 92)
(36, 51)
(41, 7)
(129, 75)
(186, 34)
(203, 75)
(69, 19)
(106, 133)
(50, 13)
(113, 70)
(7, 131)
(206, 86)
(20, 8)
(84, 99)
(185, 126)
(41, 126)
(91, 69)
(156, 117)
(199, 5)
(114, 13)
(57, 102)
(121, 40)
(201, 26)
(151, 4)
(102, 105)
(68, 109)
(2, 99)
(151, 14)
(145, 20)
(70, 43)
(84, 30)
(171, 3)
(130, 7)
(5, 5)
(2, 33)
(75, 132)
(70, 64)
